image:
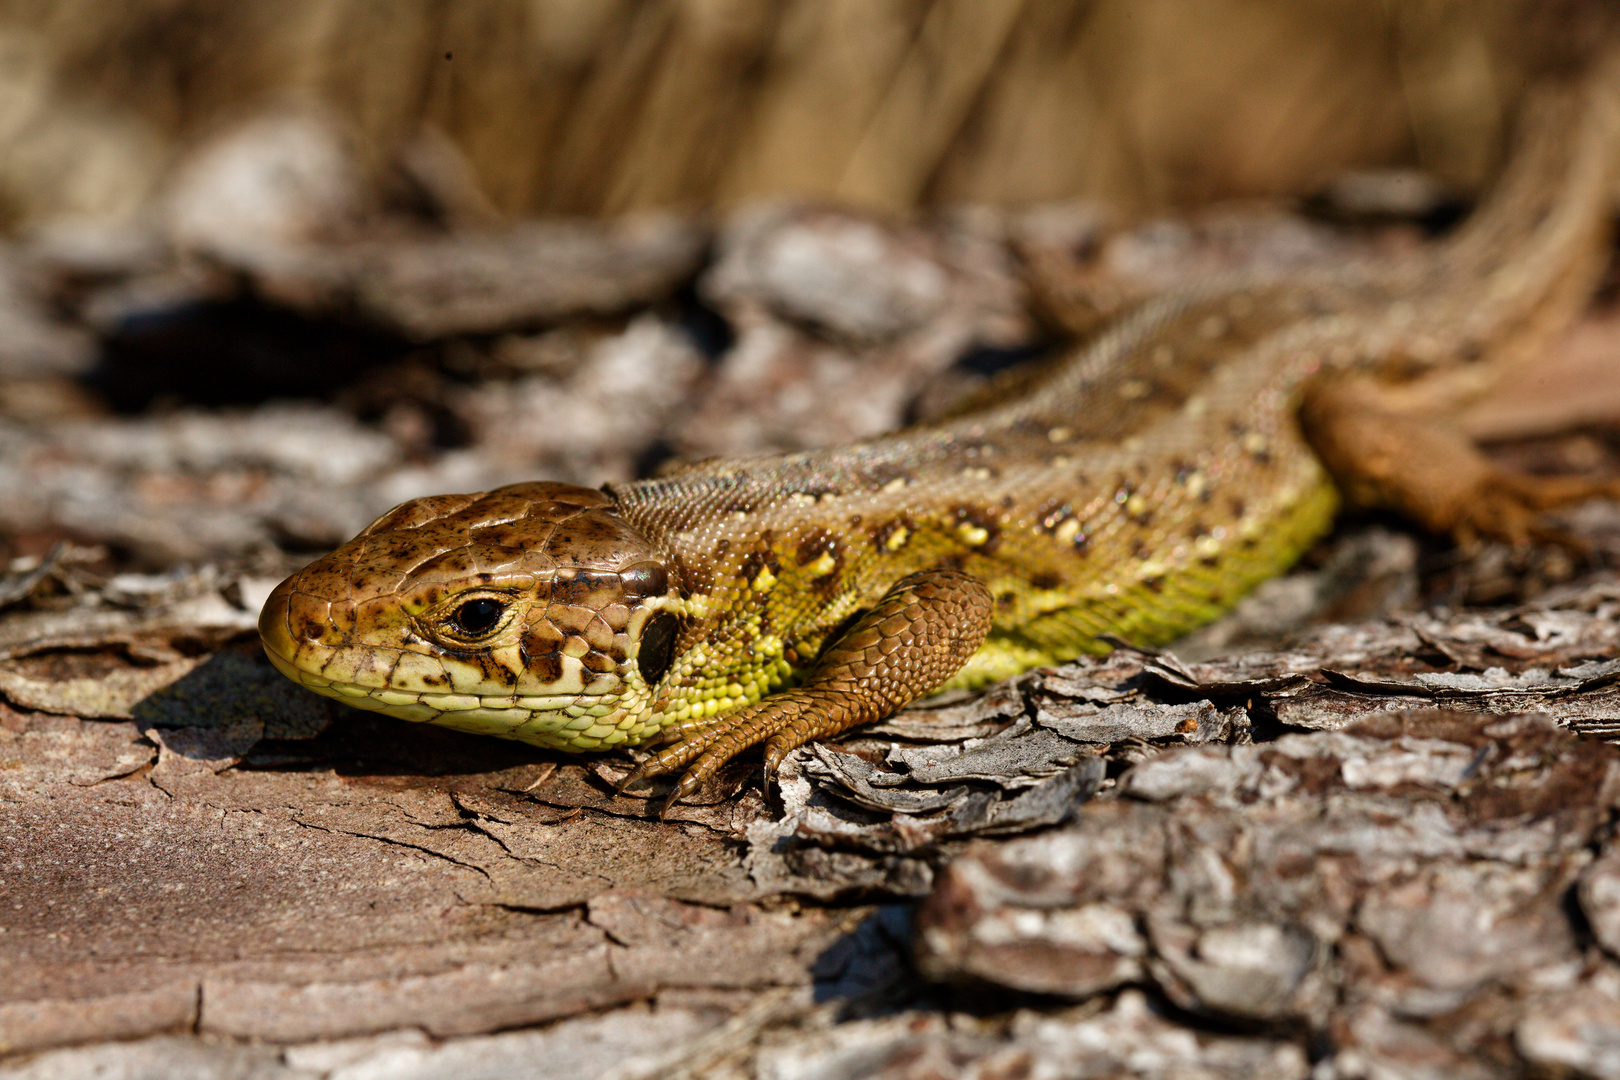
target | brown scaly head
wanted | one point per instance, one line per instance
(531, 612)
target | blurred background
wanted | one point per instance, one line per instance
(599, 107)
(267, 269)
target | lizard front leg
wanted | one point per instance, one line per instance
(915, 637)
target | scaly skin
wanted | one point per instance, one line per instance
(1138, 491)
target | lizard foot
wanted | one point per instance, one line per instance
(916, 636)
(1431, 473)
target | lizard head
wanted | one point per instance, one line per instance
(532, 612)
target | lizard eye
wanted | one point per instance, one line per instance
(477, 617)
(657, 650)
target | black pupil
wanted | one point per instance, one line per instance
(657, 650)
(477, 616)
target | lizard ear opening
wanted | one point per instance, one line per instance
(657, 649)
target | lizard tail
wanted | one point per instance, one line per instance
(1528, 259)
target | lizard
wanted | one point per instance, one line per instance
(1135, 491)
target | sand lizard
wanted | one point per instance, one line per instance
(1138, 490)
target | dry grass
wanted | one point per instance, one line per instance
(603, 106)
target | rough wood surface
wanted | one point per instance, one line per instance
(1362, 827)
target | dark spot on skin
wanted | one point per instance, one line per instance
(1007, 502)
(882, 534)
(1144, 519)
(547, 667)
(1183, 470)
(492, 671)
(722, 546)
(1197, 530)
(816, 543)
(1154, 585)
(1239, 508)
(1140, 550)
(1209, 561)
(1045, 580)
(1006, 600)
(485, 578)
(881, 475)
(1081, 543)
(695, 576)
(1261, 456)
(1237, 429)
(599, 662)
(854, 521)
(739, 503)
(827, 584)
(586, 585)
(819, 491)
(756, 561)
(953, 562)
(979, 517)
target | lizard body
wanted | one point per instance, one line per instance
(1138, 490)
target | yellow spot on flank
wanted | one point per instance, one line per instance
(897, 484)
(1197, 484)
(976, 472)
(1212, 327)
(763, 580)
(897, 539)
(1255, 443)
(1067, 531)
(1134, 389)
(1060, 434)
(799, 498)
(824, 565)
(971, 534)
(1136, 505)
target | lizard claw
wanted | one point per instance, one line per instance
(647, 770)
(683, 787)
